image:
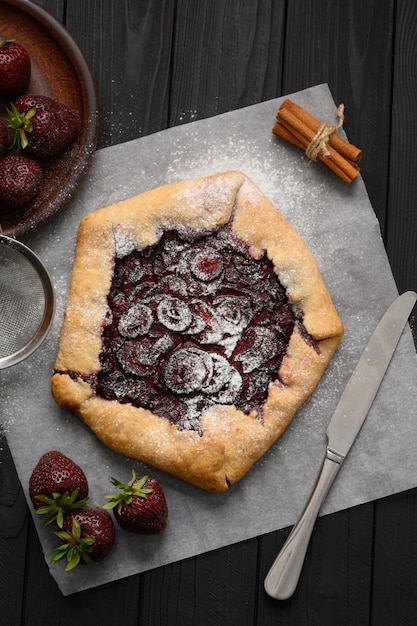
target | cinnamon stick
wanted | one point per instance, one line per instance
(346, 149)
(300, 128)
(298, 141)
(305, 135)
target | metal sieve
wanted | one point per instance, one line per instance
(27, 301)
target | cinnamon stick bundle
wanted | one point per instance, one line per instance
(319, 141)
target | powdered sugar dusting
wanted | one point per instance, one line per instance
(192, 322)
(124, 244)
(275, 169)
(209, 200)
(273, 178)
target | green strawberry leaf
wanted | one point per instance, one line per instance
(20, 124)
(127, 491)
(57, 505)
(75, 548)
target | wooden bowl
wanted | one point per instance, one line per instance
(59, 70)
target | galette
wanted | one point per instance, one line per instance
(197, 324)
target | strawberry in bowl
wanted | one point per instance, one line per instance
(42, 126)
(20, 180)
(15, 69)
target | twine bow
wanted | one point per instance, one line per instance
(318, 145)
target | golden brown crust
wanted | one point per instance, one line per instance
(232, 441)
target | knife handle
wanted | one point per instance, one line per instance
(282, 578)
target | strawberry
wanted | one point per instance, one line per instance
(88, 536)
(42, 126)
(56, 486)
(20, 180)
(15, 69)
(140, 507)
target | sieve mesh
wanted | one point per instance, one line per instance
(25, 301)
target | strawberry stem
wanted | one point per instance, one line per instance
(6, 41)
(19, 123)
(57, 505)
(127, 491)
(75, 548)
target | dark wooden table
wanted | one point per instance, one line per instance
(160, 63)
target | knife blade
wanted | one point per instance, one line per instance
(345, 424)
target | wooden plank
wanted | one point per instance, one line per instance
(210, 589)
(336, 577)
(394, 589)
(226, 55)
(402, 232)
(128, 47)
(55, 8)
(13, 537)
(134, 101)
(395, 592)
(349, 46)
(116, 603)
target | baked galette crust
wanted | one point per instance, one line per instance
(230, 441)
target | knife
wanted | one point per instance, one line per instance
(344, 426)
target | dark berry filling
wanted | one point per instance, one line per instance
(193, 321)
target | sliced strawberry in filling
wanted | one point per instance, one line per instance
(192, 322)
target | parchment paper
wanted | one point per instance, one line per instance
(338, 223)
